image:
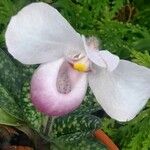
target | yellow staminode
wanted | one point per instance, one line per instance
(80, 67)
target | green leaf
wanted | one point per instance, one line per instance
(6, 119)
(115, 6)
(141, 58)
(123, 35)
(75, 123)
(10, 85)
(143, 44)
(79, 141)
(14, 97)
(8, 104)
(10, 77)
(30, 114)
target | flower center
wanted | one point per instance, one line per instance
(79, 62)
(82, 64)
(82, 67)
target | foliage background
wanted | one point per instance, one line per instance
(123, 26)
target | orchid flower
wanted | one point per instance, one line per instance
(38, 34)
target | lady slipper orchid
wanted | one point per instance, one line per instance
(38, 34)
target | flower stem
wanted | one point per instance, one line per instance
(49, 126)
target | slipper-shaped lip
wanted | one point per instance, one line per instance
(45, 95)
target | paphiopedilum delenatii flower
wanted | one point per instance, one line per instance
(38, 34)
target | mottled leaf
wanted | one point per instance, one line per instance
(76, 123)
(8, 104)
(6, 119)
(10, 77)
(30, 114)
(79, 141)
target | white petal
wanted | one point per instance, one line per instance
(38, 33)
(123, 92)
(110, 60)
(102, 58)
